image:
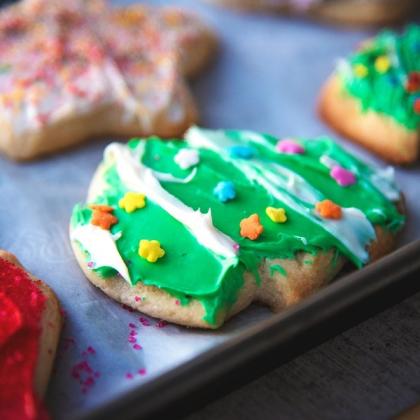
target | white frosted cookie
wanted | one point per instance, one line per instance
(30, 324)
(193, 232)
(373, 97)
(347, 12)
(74, 70)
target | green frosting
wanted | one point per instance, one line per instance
(366, 76)
(190, 270)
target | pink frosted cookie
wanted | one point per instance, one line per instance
(74, 70)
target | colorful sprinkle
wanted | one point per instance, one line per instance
(413, 82)
(360, 70)
(186, 158)
(342, 176)
(250, 227)
(142, 371)
(225, 191)
(276, 215)
(150, 250)
(328, 209)
(416, 106)
(132, 201)
(144, 321)
(241, 151)
(382, 64)
(290, 147)
(102, 216)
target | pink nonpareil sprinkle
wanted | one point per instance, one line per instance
(290, 147)
(131, 325)
(161, 324)
(137, 347)
(342, 176)
(144, 321)
(235, 247)
(142, 371)
(129, 375)
(132, 339)
(137, 298)
(177, 302)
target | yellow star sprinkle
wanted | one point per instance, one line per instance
(382, 64)
(150, 250)
(276, 215)
(360, 70)
(132, 201)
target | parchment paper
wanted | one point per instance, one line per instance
(266, 77)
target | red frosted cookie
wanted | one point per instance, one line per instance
(30, 324)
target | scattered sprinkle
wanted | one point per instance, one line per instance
(144, 321)
(241, 151)
(102, 216)
(328, 209)
(382, 64)
(161, 324)
(250, 227)
(236, 247)
(186, 158)
(137, 346)
(150, 250)
(137, 298)
(342, 176)
(360, 70)
(413, 82)
(142, 371)
(132, 201)
(224, 191)
(276, 215)
(290, 147)
(417, 106)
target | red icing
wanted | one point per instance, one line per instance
(21, 307)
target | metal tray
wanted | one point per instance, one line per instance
(266, 77)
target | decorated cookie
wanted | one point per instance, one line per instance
(374, 95)
(30, 323)
(251, 220)
(72, 70)
(347, 12)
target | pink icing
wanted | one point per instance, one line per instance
(289, 146)
(342, 176)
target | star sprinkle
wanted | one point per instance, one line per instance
(413, 82)
(102, 216)
(416, 106)
(186, 158)
(360, 70)
(225, 191)
(276, 215)
(342, 176)
(251, 228)
(382, 64)
(132, 201)
(328, 209)
(241, 152)
(150, 250)
(64, 59)
(290, 146)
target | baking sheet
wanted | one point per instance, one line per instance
(266, 77)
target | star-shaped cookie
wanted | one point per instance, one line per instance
(73, 70)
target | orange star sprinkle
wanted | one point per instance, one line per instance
(328, 209)
(102, 216)
(251, 227)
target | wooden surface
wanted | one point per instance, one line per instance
(371, 371)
